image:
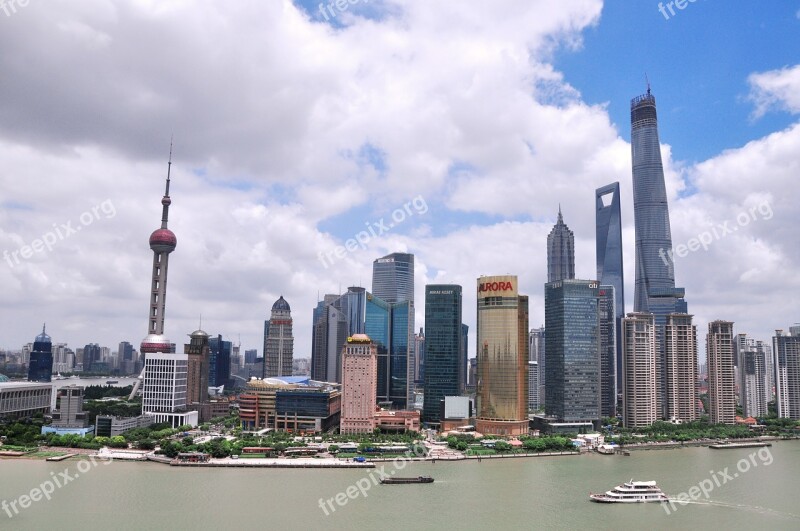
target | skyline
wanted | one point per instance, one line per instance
(492, 145)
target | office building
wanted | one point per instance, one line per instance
(330, 331)
(250, 356)
(393, 278)
(721, 382)
(443, 350)
(572, 351)
(69, 411)
(278, 341)
(199, 354)
(359, 385)
(419, 358)
(502, 353)
(40, 366)
(786, 350)
(164, 389)
(606, 306)
(610, 270)
(560, 251)
(93, 359)
(537, 353)
(219, 361)
(111, 426)
(463, 367)
(639, 408)
(680, 340)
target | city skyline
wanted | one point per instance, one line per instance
(258, 204)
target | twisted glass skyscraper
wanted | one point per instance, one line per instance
(655, 289)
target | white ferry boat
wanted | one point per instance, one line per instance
(632, 492)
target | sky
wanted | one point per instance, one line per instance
(452, 130)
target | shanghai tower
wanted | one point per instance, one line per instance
(162, 242)
(655, 289)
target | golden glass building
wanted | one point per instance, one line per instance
(502, 352)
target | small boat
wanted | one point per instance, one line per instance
(632, 492)
(402, 481)
(109, 382)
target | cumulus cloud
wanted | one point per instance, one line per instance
(775, 90)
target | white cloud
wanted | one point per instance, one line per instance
(775, 90)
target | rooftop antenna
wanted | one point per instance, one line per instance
(648, 83)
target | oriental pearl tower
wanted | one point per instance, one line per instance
(162, 242)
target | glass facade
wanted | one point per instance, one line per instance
(393, 278)
(219, 371)
(502, 356)
(572, 350)
(443, 344)
(608, 351)
(787, 372)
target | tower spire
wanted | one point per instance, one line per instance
(166, 201)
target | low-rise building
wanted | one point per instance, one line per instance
(111, 426)
(24, 399)
(397, 421)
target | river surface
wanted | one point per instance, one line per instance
(493, 494)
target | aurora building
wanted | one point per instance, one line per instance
(502, 357)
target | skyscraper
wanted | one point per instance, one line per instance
(536, 353)
(606, 306)
(40, 365)
(278, 341)
(393, 277)
(639, 407)
(198, 358)
(329, 336)
(680, 339)
(442, 347)
(359, 385)
(655, 289)
(502, 353)
(572, 350)
(219, 361)
(560, 252)
(162, 243)
(393, 283)
(786, 350)
(752, 360)
(463, 368)
(721, 386)
(610, 271)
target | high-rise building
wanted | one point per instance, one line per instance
(572, 350)
(92, 358)
(786, 350)
(639, 408)
(40, 365)
(419, 357)
(330, 331)
(359, 385)
(463, 367)
(680, 339)
(752, 361)
(278, 341)
(393, 277)
(219, 361)
(442, 347)
(537, 353)
(393, 282)
(69, 411)
(655, 290)
(199, 354)
(502, 353)
(162, 243)
(721, 384)
(610, 271)
(560, 251)
(250, 356)
(165, 387)
(606, 306)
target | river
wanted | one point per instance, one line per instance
(523, 493)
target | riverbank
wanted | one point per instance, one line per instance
(701, 442)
